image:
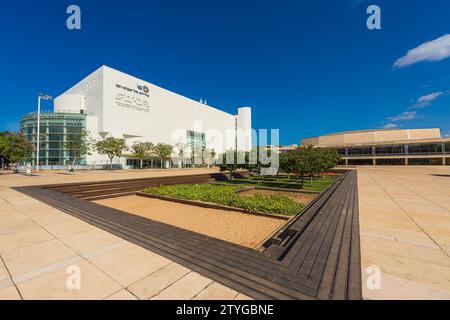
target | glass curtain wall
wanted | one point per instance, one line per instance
(56, 129)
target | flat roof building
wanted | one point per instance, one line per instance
(115, 104)
(387, 146)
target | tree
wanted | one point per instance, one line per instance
(301, 160)
(181, 152)
(112, 147)
(209, 156)
(78, 146)
(142, 150)
(331, 158)
(287, 163)
(14, 147)
(229, 161)
(163, 151)
(324, 159)
(254, 160)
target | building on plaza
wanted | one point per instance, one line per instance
(110, 103)
(387, 146)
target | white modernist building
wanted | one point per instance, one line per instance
(122, 106)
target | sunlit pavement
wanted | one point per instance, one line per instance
(405, 231)
(46, 254)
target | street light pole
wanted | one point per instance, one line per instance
(38, 144)
(38, 132)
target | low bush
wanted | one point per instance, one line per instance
(227, 195)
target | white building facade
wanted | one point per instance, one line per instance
(122, 106)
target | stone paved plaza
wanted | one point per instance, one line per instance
(404, 221)
(38, 243)
(405, 230)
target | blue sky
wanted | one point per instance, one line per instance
(305, 67)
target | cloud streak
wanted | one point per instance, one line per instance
(406, 115)
(434, 50)
(390, 125)
(425, 101)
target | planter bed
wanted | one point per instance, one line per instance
(212, 205)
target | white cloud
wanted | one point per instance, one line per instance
(435, 50)
(390, 125)
(425, 101)
(407, 115)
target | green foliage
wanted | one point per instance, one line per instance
(287, 163)
(14, 147)
(163, 151)
(112, 147)
(142, 150)
(79, 145)
(231, 160)
(227, 195)
(283, 181)
(307, 161)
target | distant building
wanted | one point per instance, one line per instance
(387, 146)
(110, 103)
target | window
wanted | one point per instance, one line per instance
(425, 161)
(431, 148)
(363, 151)
(56, 129)
(391, 162)
(195, 138)
(390, 150)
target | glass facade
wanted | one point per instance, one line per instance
(358, 152)
(194, 138)
(56, 128)
(425, 161)
(431, 153)
(390, 150)
(429, 148)
(391, 162)
(360, 162)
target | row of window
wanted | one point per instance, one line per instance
(53, 153)
(398, 161)
(396, 150)
(33, 130)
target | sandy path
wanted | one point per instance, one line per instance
(240, 228)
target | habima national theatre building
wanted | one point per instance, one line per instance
(110, 103)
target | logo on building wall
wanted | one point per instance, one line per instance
(142, 88)
(133, 99)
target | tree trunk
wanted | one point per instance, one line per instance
(142, 163)
(73, 164)
(303, 180)
(110, 164)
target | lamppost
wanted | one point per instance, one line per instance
(45, 97)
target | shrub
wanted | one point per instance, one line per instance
(227, 195)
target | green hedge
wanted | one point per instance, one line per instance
(227, 195)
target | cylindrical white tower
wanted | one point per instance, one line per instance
(244, 129)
